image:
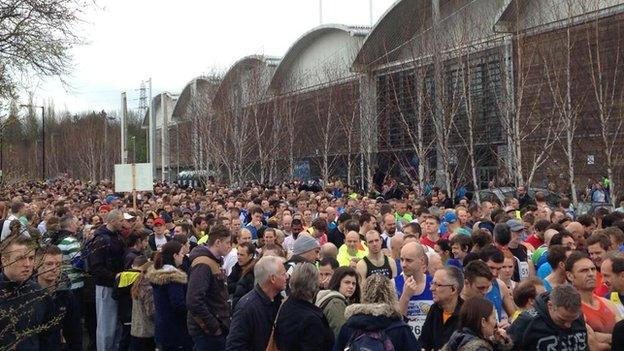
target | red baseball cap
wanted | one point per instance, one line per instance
(106, 208)
(158, 222)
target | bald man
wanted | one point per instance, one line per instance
(578, 232)
(539, 256)
(413, 286)
(352, 251)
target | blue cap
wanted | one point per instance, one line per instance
(450, 217)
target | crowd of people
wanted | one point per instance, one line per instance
(296, 267)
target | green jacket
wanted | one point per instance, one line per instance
(333, 305)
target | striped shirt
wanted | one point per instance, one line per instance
(71, 250)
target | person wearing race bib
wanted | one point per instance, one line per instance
(523, 269)
(498, 294)
(375, 262)
(413, 286)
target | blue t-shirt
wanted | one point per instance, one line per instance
(418, 306)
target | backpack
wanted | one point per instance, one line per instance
(375, 340)
(81, 260)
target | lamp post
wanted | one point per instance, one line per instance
(43, 149)
(133, 139)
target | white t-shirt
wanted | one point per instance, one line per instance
(160, 242)
(230, 260)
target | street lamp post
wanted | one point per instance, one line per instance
(133, 138)
(43, 149)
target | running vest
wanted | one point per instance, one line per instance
(601, 319)
(418, 306)
(615, 298)
(494, 295)
(384, 270)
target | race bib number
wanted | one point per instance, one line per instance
(523, 270)
(416, 314)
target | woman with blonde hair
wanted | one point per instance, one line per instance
(377, 317)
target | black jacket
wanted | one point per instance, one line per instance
(435, 333)
(65, 303)
(239, 286)
(32, 308)
(106, 257)
(301, 325)
(207, 295)
(252, 321)
(122, 293)
(375, 317)
(534, 329)
(336, 237)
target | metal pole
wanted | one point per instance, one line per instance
(370, 12)
(133, 149)
(152, 130)
(320, 12)
(43, 150)
(163, 136)
(178, 145)
(124, 119)
(105, 144)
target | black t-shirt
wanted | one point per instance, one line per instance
(520, 253)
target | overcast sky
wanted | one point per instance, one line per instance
(174, 41)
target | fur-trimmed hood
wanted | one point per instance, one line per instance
(373, 310)
(166, 275)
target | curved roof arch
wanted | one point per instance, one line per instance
(405, 31)
(304, 42)
(187, 94)
(266, 63)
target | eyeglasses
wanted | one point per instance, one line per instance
(436, 285)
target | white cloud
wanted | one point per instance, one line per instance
(175, 41)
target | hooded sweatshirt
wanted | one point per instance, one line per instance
(333, 305)
(534, 329)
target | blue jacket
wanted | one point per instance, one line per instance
(374, 317)
(169, 285)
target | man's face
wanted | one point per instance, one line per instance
(441, 287)
(401, 208)
(373, 241)
(569, 243)
(178, 230)
(463, 217)
(583, 275)
(562, 317)
(521, 191)
(312, 255)
(389, 225)
(242, 256)
(495, 267)
(117, 224)
(245, 237)
(410, 262)
(50, 267)
(597, 253)
(479, 287)
(287, 223)
(615, 281)
(514, 203)
(458, 253)
(256, 218)
(235, 224)
(351, 240)
(486, 208)
(325, 274)
(18, 262)
(159, 229)
(297, 228)
(223, 246)
(430, 226)
(307, 216)
(279, 279)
